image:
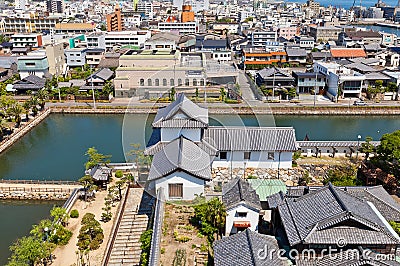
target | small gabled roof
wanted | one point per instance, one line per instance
(184, 155)
(296, 52)
(243, 249)
(239, 191)
(348, 52)
(100, 173)
(195, 116)
(269, 72)
(104, 74)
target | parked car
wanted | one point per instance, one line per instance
(359, 103)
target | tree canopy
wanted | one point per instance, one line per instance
(94, 158)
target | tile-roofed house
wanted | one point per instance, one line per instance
(32, 83)
(377, 195)
(182, 113)
(100, 77)
(101, 175)
(339, 53)
(274, 76)
(330, 214)
(353, 257)
(181, 167)
(243, 249)
(242, 206)
(296, 55)
(257, 147)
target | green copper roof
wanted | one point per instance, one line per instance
(266, 187)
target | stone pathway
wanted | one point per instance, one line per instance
(126, 247)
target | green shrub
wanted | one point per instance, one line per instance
(162, 250)
(203, 248)
(119, 174)
(74, 213)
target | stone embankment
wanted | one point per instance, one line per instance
(290, 177)
(240, 109)
(20, 132)
(36, 190)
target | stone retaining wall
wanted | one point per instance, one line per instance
(26, 195)
(20, 132)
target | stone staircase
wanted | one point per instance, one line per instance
(126, 247)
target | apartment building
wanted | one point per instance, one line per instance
(76, 57)
(55, 6)
(32, 40)
(324, 33)
(259, 39)
(56, 58)
(181, 27)
(115, 21)
(29, 24)
(109, 40)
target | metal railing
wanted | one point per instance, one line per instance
(154, 258)
(114, 230)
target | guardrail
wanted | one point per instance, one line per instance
(71, 200)
(114, 230)
(154, 258)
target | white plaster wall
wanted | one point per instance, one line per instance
(169, 134)
(191, 185)
(258, 159)
(252, 217)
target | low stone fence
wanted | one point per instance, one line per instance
(19, 133)
(18, 194)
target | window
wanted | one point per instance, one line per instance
(186, 82)
(164, 82)
(172, 82)
(30, 64)
(223, 155)
(179, 82)
(141, 82)
(271, 156)
(149, 82)
(246, 155)
(194, 82)
(242, 214)
(157, 82)
(175, 190)
(202, 82)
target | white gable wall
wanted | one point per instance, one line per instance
(232, 216)
(191, 184)
(169, 134)
(258, 159)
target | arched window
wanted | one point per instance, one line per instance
(164, 82)
(202, 82)
(141, 82)
(149, 82)
(194, 82)
(179, 82)
(186, 82)
(172, 82)
(157, 82)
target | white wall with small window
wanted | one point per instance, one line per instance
(253, 159)
(239, 217)
(169, 134)
(180, 185)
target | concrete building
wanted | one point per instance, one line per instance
(33, 64)
(32, 40)
(115, 21)
(187, 14)
(120, 39)
(308, 82)
(56, 59)
(74, 28)
(29, 24)
(146, 8)
(180, 27)
(324, 33)
(55, 6)
(349, 81)
(76, 57)
(259, 39)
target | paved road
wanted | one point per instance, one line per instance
(244, 83)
